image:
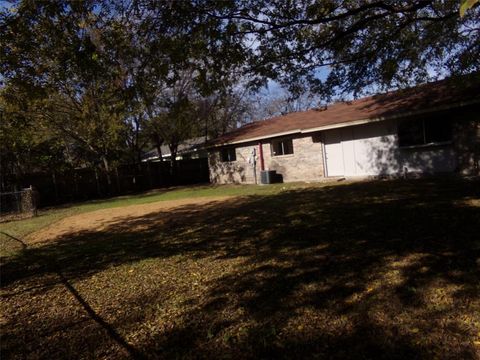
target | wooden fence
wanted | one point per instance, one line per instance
(90, 183)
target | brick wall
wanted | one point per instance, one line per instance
(305, 164)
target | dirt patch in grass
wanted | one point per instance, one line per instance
(384, 270)
(100, 220)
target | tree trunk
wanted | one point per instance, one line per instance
(55, 186)
(149, 174)
(173, 162)
(75, 183)
(99, 191)
(158, 146)
(107, 173)
(119, 190)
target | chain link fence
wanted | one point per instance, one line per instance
(18, 204)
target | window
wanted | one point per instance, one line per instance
(429, 131)
(228, 154)
(282, 147)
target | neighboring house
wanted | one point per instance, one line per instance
(189, 149)
(431, 128)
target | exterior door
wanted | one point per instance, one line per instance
(334, 152)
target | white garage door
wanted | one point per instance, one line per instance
(356, 150)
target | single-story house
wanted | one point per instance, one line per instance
(193, 148)
(432, 128)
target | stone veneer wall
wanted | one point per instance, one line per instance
(305, 164)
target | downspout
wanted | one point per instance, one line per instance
(260, 152)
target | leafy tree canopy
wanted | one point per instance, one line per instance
(111, 76)
(347, 46)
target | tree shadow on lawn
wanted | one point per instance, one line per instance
(380, 269)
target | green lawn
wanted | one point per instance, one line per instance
(50, 215)
(20, 229)
(387, 269)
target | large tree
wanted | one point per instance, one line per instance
(25, 148)
(54, 55)
(185, 64)
(111, 75)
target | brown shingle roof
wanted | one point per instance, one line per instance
(423, 98)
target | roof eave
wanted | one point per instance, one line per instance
(391, 117)
(290, 132)
(350, 123)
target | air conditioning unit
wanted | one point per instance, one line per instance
(270, 177)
